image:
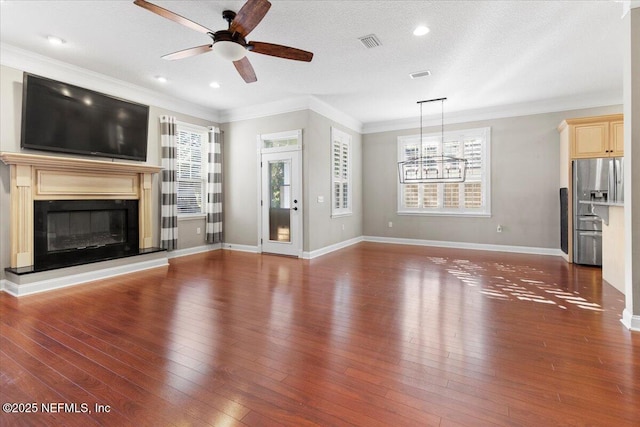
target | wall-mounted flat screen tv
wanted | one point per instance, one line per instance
(60, 117)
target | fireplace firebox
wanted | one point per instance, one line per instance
(74, 232)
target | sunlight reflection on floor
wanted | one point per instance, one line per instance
(500, 288)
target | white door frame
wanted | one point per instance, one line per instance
(292, 142)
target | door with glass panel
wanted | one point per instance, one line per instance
(281, 204)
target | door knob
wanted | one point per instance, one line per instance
(295, 208)
(295, 201)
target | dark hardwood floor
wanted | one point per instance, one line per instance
(372, 335)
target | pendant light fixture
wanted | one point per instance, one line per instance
(432, 169)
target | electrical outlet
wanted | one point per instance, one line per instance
(198, 230)
(342, 227)
(320, 199)
(499, 228)
(390, 224)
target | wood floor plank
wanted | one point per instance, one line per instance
(29, 390)
(356, 395)
(373, 334)
(57, 372)
(202, 409)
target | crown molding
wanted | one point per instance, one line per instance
(499, 112)
(290, 105)
(334, 114)
(24, 60)
(627, 5)
(250, 112)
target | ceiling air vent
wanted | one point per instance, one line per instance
(418, 74)
(370, 41)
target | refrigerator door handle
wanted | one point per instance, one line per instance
(613, 196)
(619, 179)
(590, 233)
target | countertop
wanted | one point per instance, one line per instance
(601, 209)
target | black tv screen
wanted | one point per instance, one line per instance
(60, 117)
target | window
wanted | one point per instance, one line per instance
(340, 173)
(191, 141)
(471, 197)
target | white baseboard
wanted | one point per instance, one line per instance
(305, 254)
(463, 245)
(630, 321)
(39, 282)
(195, 250)
(240, 248)
(400, 241)
(331, 248)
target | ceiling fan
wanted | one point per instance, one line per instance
(231, 43)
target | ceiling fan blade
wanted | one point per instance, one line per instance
(246, 70)
(185, 53)
(172, 16)
(280, 51)
(249, 16)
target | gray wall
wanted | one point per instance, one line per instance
(524, 185)
(10, 122)
(241, 179)
(320, 229)
(240, 165)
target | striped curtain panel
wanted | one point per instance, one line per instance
(213, 207)
(169, 196)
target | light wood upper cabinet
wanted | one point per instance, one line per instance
(600, 136)
(590, 140)
(617, 139)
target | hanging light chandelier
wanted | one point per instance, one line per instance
(432, 169)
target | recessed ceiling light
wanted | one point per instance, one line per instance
(161, 79)
(214, 85)
(55, 40)
(420, 30)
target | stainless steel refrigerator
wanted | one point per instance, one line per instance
(594, 180)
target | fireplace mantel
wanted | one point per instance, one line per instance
(38, 177)
(70, 163)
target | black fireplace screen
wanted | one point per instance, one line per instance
(83, 229)
(73, 232)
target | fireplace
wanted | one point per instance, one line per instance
(115, 233)
(74, 232)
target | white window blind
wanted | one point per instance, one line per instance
(340, 173)
(471, 197)
(190, 145)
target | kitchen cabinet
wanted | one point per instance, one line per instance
(600, 136)
(617, 139)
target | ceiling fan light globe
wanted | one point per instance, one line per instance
(229, 50)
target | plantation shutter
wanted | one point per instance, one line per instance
(468, 197)
(190, 176)
(340, 173)
(473, 185)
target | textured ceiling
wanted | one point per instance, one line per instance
(482, 54)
